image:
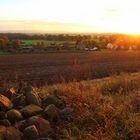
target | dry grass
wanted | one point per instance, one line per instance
(106, 109)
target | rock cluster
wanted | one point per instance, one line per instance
(25, 116)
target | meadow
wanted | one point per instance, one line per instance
(45, 42)
(105, 109)
(34, 42)
(101, 109)
(62, 96)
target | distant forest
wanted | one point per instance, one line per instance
(51, 37)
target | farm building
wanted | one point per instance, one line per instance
(52, 47)
(115, 46)
(87, 46)
(110, 46)
(80, 46)
(27, 48)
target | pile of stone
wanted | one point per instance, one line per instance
(27, 116)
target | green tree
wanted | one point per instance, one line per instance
(4, 41)
(16, 43)
(42, 44)
(38, 44)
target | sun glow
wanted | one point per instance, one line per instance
(70, 16)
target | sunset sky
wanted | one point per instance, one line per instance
(121, 16)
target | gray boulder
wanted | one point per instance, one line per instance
(9, 93)
(5, 122)
(11, 133)
(31, 133)
(53, 99)
(31, 110)
(42, 125)
(51, 112)
(33, 98)
(5, 103)
(19, 100)
(14, 115)
(21, 125)
(2, 132)
(3, 115)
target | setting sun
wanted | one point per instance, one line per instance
(69, 69)
(70, 16)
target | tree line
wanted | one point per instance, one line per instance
(14, 40)
(6, 43)
(51, 37)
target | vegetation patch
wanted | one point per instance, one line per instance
(105, 109)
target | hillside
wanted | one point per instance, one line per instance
(102, 109)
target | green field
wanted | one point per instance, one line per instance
(46, 42)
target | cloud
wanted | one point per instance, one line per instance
(111, 14)
(36, 26)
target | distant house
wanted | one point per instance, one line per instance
(27, 48)
(52, 47)
(115, 46)
(130, 48)
(110, 46)
(87, 46)
(80, 46)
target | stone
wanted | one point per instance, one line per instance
(14, 115)
(19, 100)
(51, 112)
(5, 122)
(53, 99)
(31, 110)
(3, 115)
(64, 134)
(10, 133)
(42, 125)
(66, 113)
(9, 93)
(5, 103)
(21, 125)
(2, 132)
(13, 134)
(31, 133)
(33, 98)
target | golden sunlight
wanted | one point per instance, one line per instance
(70, 16)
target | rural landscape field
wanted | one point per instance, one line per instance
(69, 94)
(69, 70)
(63, 67)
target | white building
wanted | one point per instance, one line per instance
(110, 46)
